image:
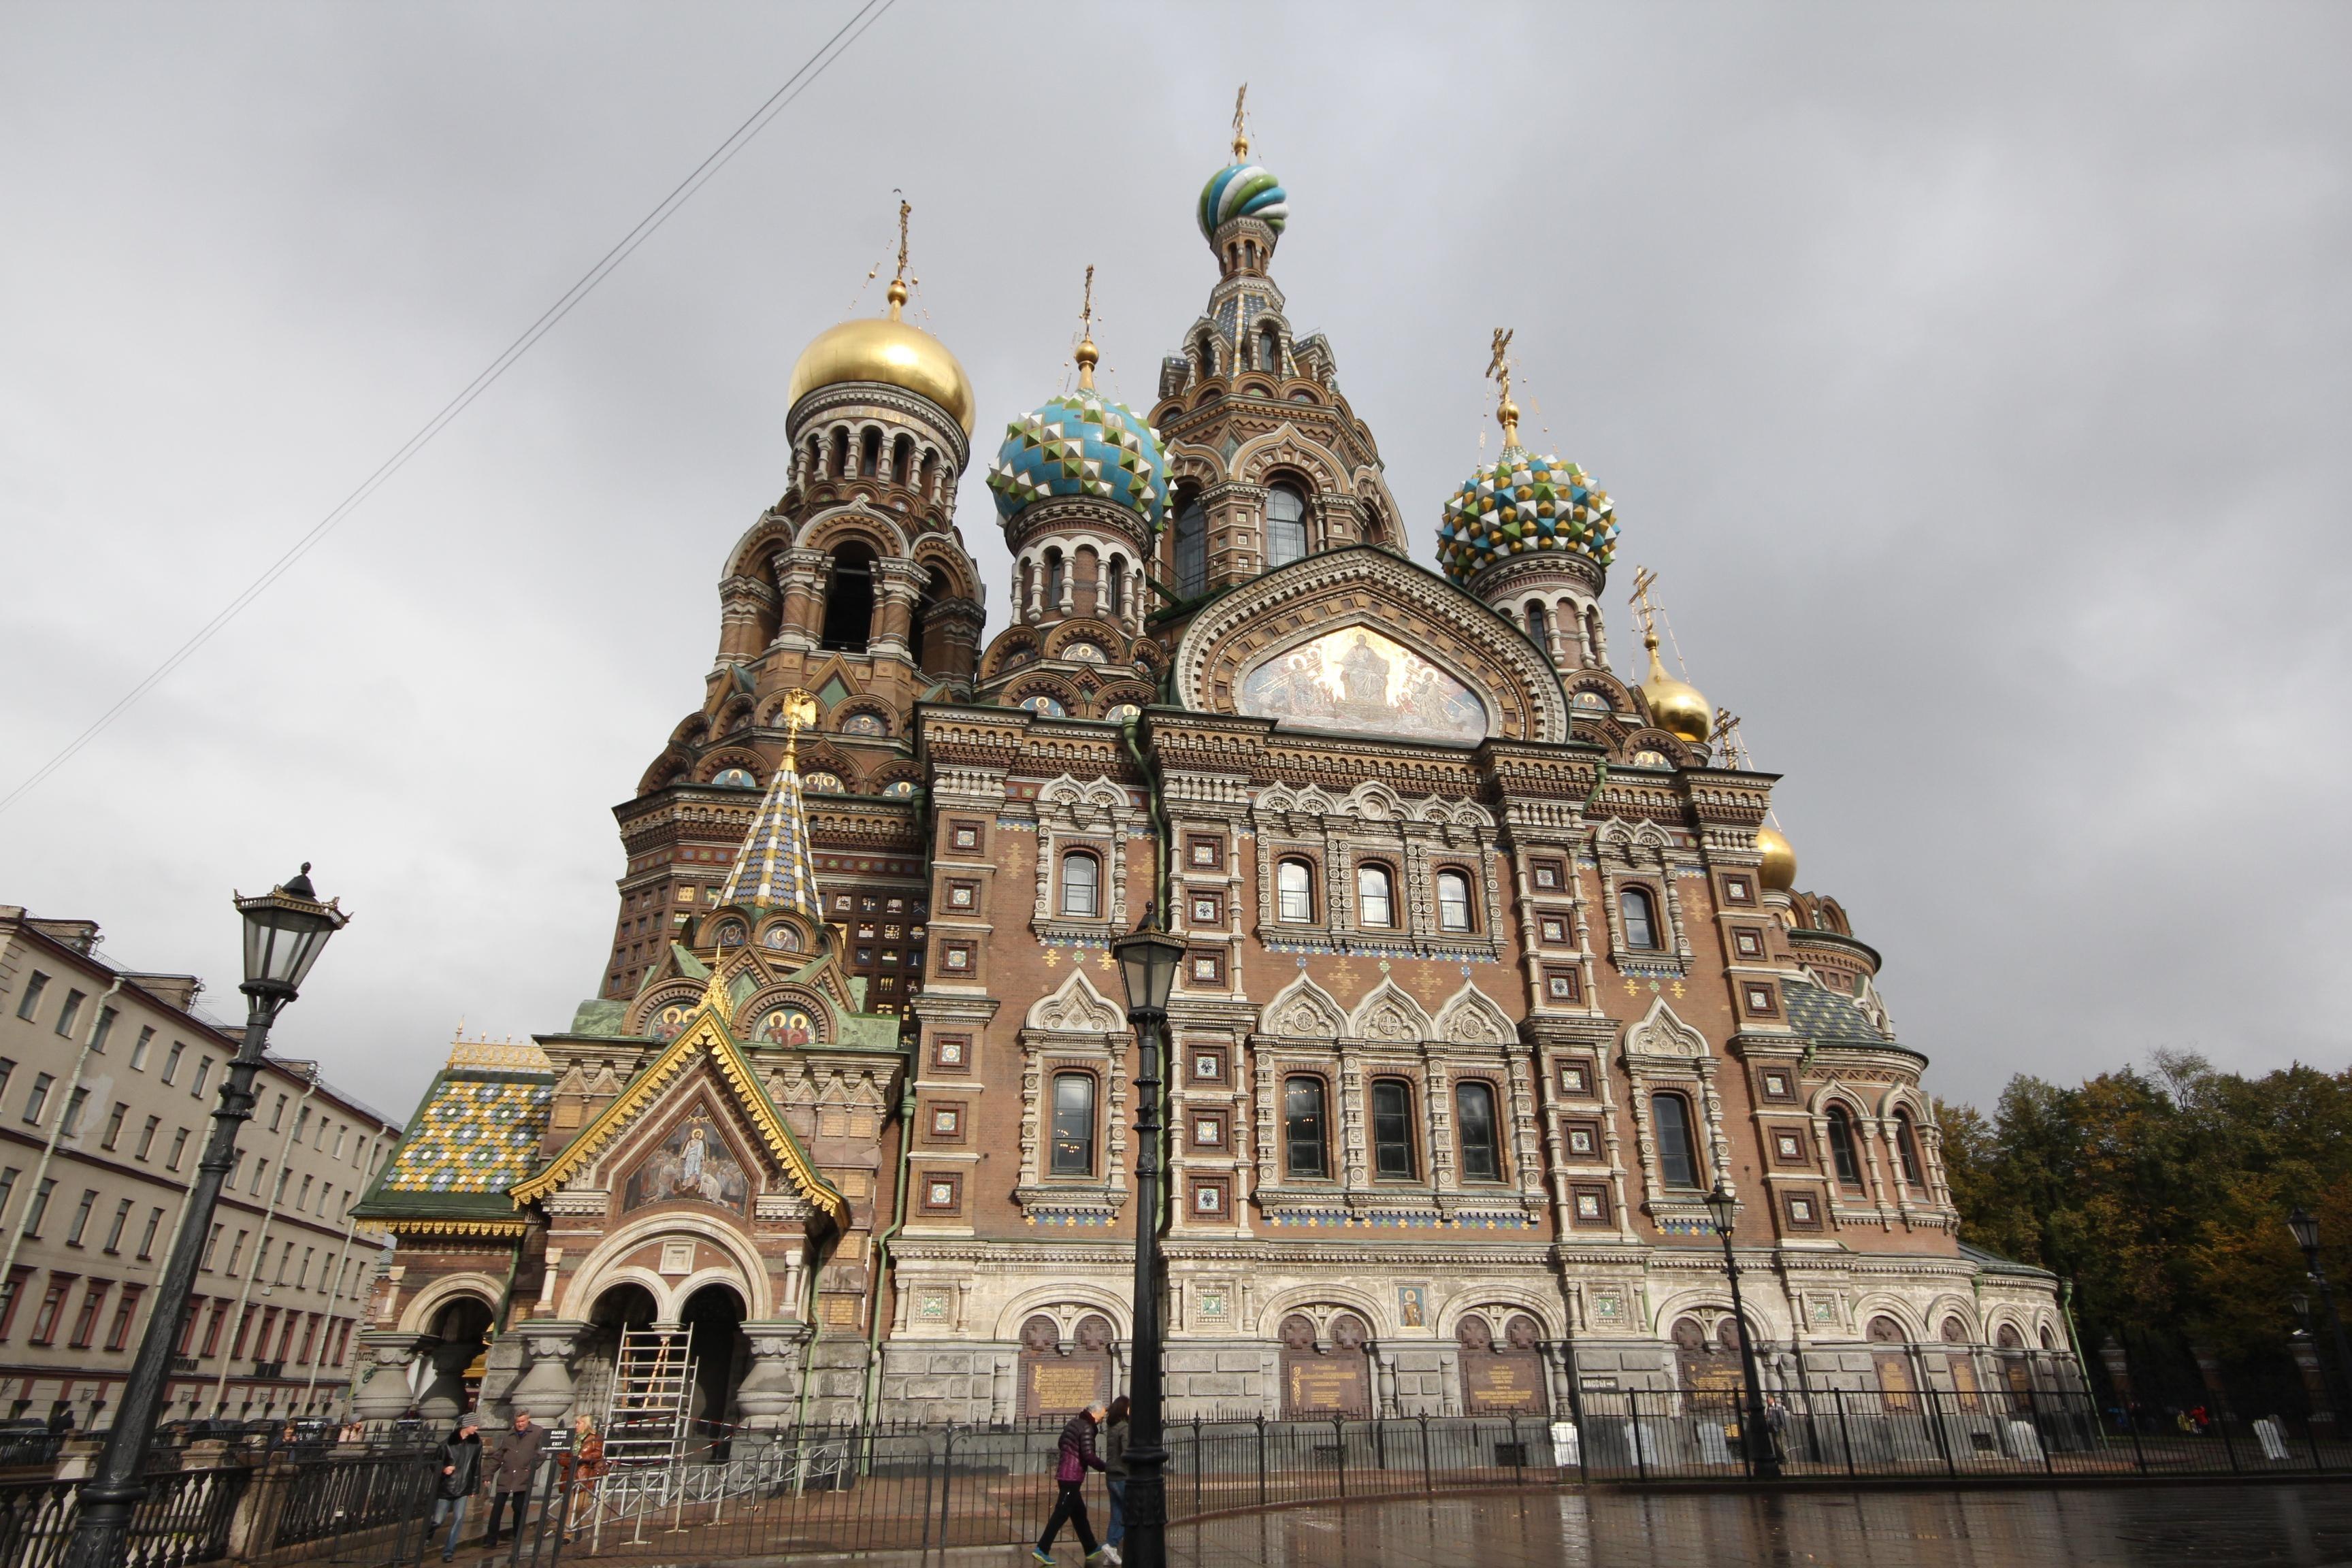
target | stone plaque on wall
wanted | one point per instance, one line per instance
(1056, 1381)
(1325, 1382)
(1504, 1378)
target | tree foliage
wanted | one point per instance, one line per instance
(2163, 1195)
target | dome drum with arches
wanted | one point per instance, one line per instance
(1082, 444)
(1242, 190)
(1520, 504)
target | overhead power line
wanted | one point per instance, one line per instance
(869, 12)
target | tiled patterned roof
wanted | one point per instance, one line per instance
(772, 870)
(1525, 503)
(1823, 1016)
(472, 1134)
(1081, 444)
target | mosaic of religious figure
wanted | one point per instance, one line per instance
(1357, 679)
(693, 1165)
(786, 1027)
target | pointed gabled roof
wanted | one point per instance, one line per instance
(774, 869)
(705, 1035)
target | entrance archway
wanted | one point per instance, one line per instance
(457, 1364)
(713, 1318)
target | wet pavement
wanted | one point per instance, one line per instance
(2306, 1525)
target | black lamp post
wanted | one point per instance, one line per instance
(285, 931)
(1147, 962)
(1763, 1457)
(2306, 1236)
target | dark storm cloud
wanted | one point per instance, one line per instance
(1967, 375)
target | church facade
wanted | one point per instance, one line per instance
(1493, 964)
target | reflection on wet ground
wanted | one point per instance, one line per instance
(2308, 1525)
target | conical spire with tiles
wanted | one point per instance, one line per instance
(774, 870)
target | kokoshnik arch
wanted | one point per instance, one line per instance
(1493, 966)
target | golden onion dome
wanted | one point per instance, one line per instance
(1676, 706)
(887, 350)
(1778, 870)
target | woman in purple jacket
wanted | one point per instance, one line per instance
(1074, 1457)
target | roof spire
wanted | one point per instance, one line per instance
(1088, 353)
(1241, 123)
(1498, 370)
(898, 283)
(774, 869)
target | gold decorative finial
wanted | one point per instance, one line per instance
(899, 284)
(1088, 353)
(798, 712)
(1498, 370)
(1241, 123)
(715, 994)
(1724, 739)
(1643, 610)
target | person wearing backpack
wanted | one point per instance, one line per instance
(460, 1463)
(1073, 1458)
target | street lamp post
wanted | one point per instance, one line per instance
(285, 931)
(1147, 962)
(2306, 1236)
(1763, 1457)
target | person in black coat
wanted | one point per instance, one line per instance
(461, 1464)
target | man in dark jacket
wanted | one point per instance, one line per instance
(461, 1472)
(1074, 1457)
(514, 1460)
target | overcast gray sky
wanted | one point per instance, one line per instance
(1966, 373)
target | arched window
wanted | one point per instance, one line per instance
(1452, 902)
(936, 588)
(1191, 550)
(1906, 1149)
(1303, 1150)
(1118, 596)
(1392, 1157)
(1538, 625)
(1641, 914)
(1678, 1157)
(1074, 1125)
(1269, 349)
(840, 465)
(1081, 884)
(1849, 1169)
(1294, 893)
(1474, 1123)
(1375, 900)
(869, 462)
(849, 599)
(1204, 350)
(902, 461)
(1054, 570)
(1286, 526)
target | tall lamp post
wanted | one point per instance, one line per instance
(285, 931)
(1147, 962)
(2306, 1236)
(1763, 1457)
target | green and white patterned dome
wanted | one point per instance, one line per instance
(1081, 444)
(1521, 503)
(1242, 190)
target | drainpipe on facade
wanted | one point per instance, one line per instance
(260, 1246)
(808, 1356)
(350, 1229)
(1129, 728)
(882, 1255)
(50, 1149)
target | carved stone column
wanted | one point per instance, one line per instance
(385, 1395)
(899, 587)
(444, 1394)
(771, 1389)
(546, 1387)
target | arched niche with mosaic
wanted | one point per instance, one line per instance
(663, 1014)
(785, 1018)
(693, 1162)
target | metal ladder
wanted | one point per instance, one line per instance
(646, 1413)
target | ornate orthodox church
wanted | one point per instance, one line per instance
(1493, 964)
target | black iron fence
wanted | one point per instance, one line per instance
(187, 1517)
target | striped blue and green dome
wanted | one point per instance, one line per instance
(1524, 503)
(1081, 444)
(1242, 190)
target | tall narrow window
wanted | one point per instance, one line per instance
(1055, 575)
(1074, 1125)
(1302, 1127)
(1269, 350)
(1678, 1160)
(1452, 902)
(1191, 550)
(1375, 904)
(1392, 1130)
(1538, 627)
(1473, 1122)
(849, 599)
(1081, 885)
(1907, 1149)
(1641, 914)
(1286, 526)
(1293, 891)
(1849, 1169)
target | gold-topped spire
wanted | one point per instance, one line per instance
(1241, 124)
(798, 711)
(1676, 706)
(898, 283)
(1088, 353)
(1498, 370)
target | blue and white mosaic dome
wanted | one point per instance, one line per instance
(1242, 190)
(1521, 503)
(1081, 444)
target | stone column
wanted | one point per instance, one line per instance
(769, 1393)
(897, 589)
(546, 1389)
(801, 573)
(444, 1394)
(385, 1395)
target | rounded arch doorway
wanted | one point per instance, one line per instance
(713, 1319)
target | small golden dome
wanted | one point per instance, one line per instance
(1676, 706)
(1778, 870)
(887, 350)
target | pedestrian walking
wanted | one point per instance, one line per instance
(583, 1465)
(1113, 1453)
(1073, 1458)
(461, 1472)
(513, 1461)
